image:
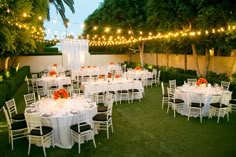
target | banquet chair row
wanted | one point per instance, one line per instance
(30, 99)
(12, 111)
(83, 128)
(195, 105)
(29, 84)
(103, 119)
(221, 108)
(232, 105)
(172, 84)
(16, 130)
(173, 102)
(165, 99)
(155, 77)
(38, 133)
(225, 85)
(121, 92)
(192, 81)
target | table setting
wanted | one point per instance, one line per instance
(210, 94)
(60, 114)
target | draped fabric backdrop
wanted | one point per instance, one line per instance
(75, 50)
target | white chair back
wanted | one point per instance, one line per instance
(29, 100)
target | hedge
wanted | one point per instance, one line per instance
(9, 86)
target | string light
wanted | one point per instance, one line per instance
(103, 40)
(118, 40)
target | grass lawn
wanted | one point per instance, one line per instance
(141, 129)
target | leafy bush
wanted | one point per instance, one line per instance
(11, 84)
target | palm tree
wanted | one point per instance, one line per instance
(59, 4)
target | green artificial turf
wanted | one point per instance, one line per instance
(141, 129)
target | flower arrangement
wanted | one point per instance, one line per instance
(201, 81)
(109, 75)
(137, 68)
(60, 94)
(55, 65)
(82, 67)
(52, 73)
(117, 76)
(111, 63)
(88, 66)
(101, 77)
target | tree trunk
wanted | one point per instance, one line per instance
(185, 61)
(167, 58)
(207, 61)
(231, 71)
(141, 50)
(157, 62)
(195, 59)
(6, 63)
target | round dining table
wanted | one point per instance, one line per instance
(60, 115)
(209, 94)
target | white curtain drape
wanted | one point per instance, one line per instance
(75, 50)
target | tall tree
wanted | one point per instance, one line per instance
(187, 16)
(124, 14)
(60, 7)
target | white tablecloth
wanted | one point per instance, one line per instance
(209, 95)
(110, 85)
(63, 116)
(138, 74)
(60, 81)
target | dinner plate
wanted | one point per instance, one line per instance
(89, 100)
(74, 111)
(31, 110)
(47, 114)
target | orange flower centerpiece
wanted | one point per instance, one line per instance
(109, 75)
(53, 73)
(60, 94)
(111, 63)
(137, 68)
(117, 76)
(202, 82)
(101, 77)
(55, 65)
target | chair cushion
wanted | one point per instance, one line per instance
(122, 91)
(102, 108)
(100, 117)
(45, 130)
(66, 85)
(113, 92)
(19, 116)
(165, 95)
(53, 87)
(101, 93)
(18, 125)
(84, 127)
(176, 100)
(217, 105)
(133, 90)
(194, 104)
(233, 101)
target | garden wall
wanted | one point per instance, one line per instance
(217, 64)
